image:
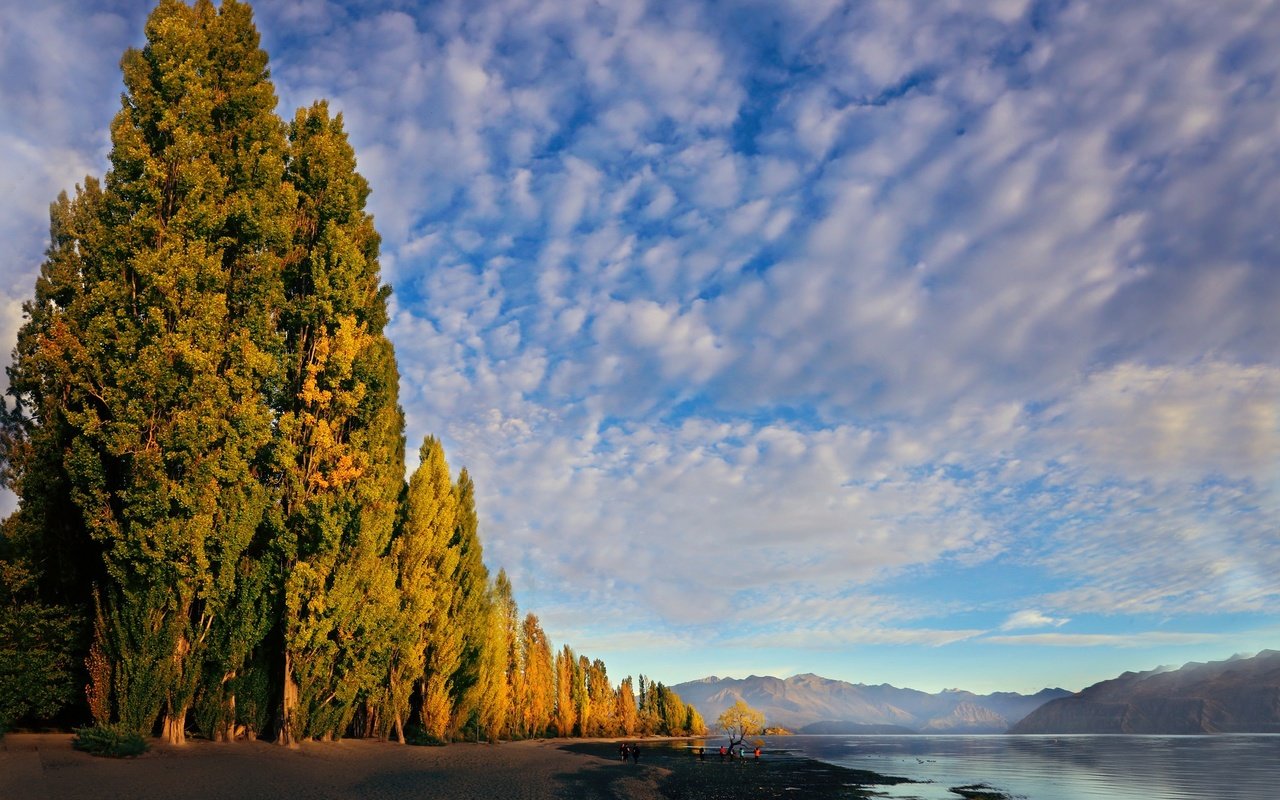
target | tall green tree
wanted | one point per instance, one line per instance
(340, 446)
(471, 608)
(649, 714)
(157, 322)
(46, 538)
(429, 565)
(44, 386)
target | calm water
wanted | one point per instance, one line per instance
(1227, 767)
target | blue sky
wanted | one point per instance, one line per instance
(931, 343)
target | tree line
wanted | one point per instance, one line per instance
(203, 431)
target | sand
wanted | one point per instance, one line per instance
(46, 767)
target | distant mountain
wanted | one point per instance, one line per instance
(1240, 695)
(806, 700)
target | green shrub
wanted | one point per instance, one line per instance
(416, 735)
(253, 699)
(37, 646)
(111, 741)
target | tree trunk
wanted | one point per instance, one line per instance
(175, 720)
(399, 729)
(227, 731)
(175, 728)
(288, 736)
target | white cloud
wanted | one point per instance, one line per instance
(1172, 423)
(857, 635)
(1134, 640)
(1031, 618)
(933, 288)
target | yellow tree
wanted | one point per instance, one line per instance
(626, 712)
(539, 698)
(566, 713)
(602, 718)
(416, 553)
(740, 721)
(493, 692)
(430, 519)
(517, 690)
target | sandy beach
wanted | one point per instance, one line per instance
(44, 766)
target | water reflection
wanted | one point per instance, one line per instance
(1225, 767)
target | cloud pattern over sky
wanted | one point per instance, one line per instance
(925, 342)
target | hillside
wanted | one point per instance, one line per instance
(830, 705)
(1240, 695)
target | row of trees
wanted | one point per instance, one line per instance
(208, 450)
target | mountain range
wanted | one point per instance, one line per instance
(813, 704)
(1239, 695)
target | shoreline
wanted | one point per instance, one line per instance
(775, 776)
(45, 765)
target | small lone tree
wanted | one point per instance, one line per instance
(740, 721)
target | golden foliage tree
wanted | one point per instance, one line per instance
(740, 721)
(430, 516)
(540, 695)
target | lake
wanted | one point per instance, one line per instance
(1222, 767)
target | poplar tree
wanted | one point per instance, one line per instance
(581, 696)
(493, 692)
(428, 565)
(565, 712)
(45, 386)
(47, 534)
(648, 716)
(626, 708)
(509, 633)
(157, 325)
(416, 592)
(340, 451)
(539, 697)
(471, 606)
(603, 702)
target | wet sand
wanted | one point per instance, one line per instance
(681, 775)
(46, 767)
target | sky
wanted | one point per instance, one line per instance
(929, 343)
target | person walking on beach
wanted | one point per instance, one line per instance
(722, 752)
(757, 754)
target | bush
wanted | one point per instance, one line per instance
(416, 735)
(37, 642)
(111, 741)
